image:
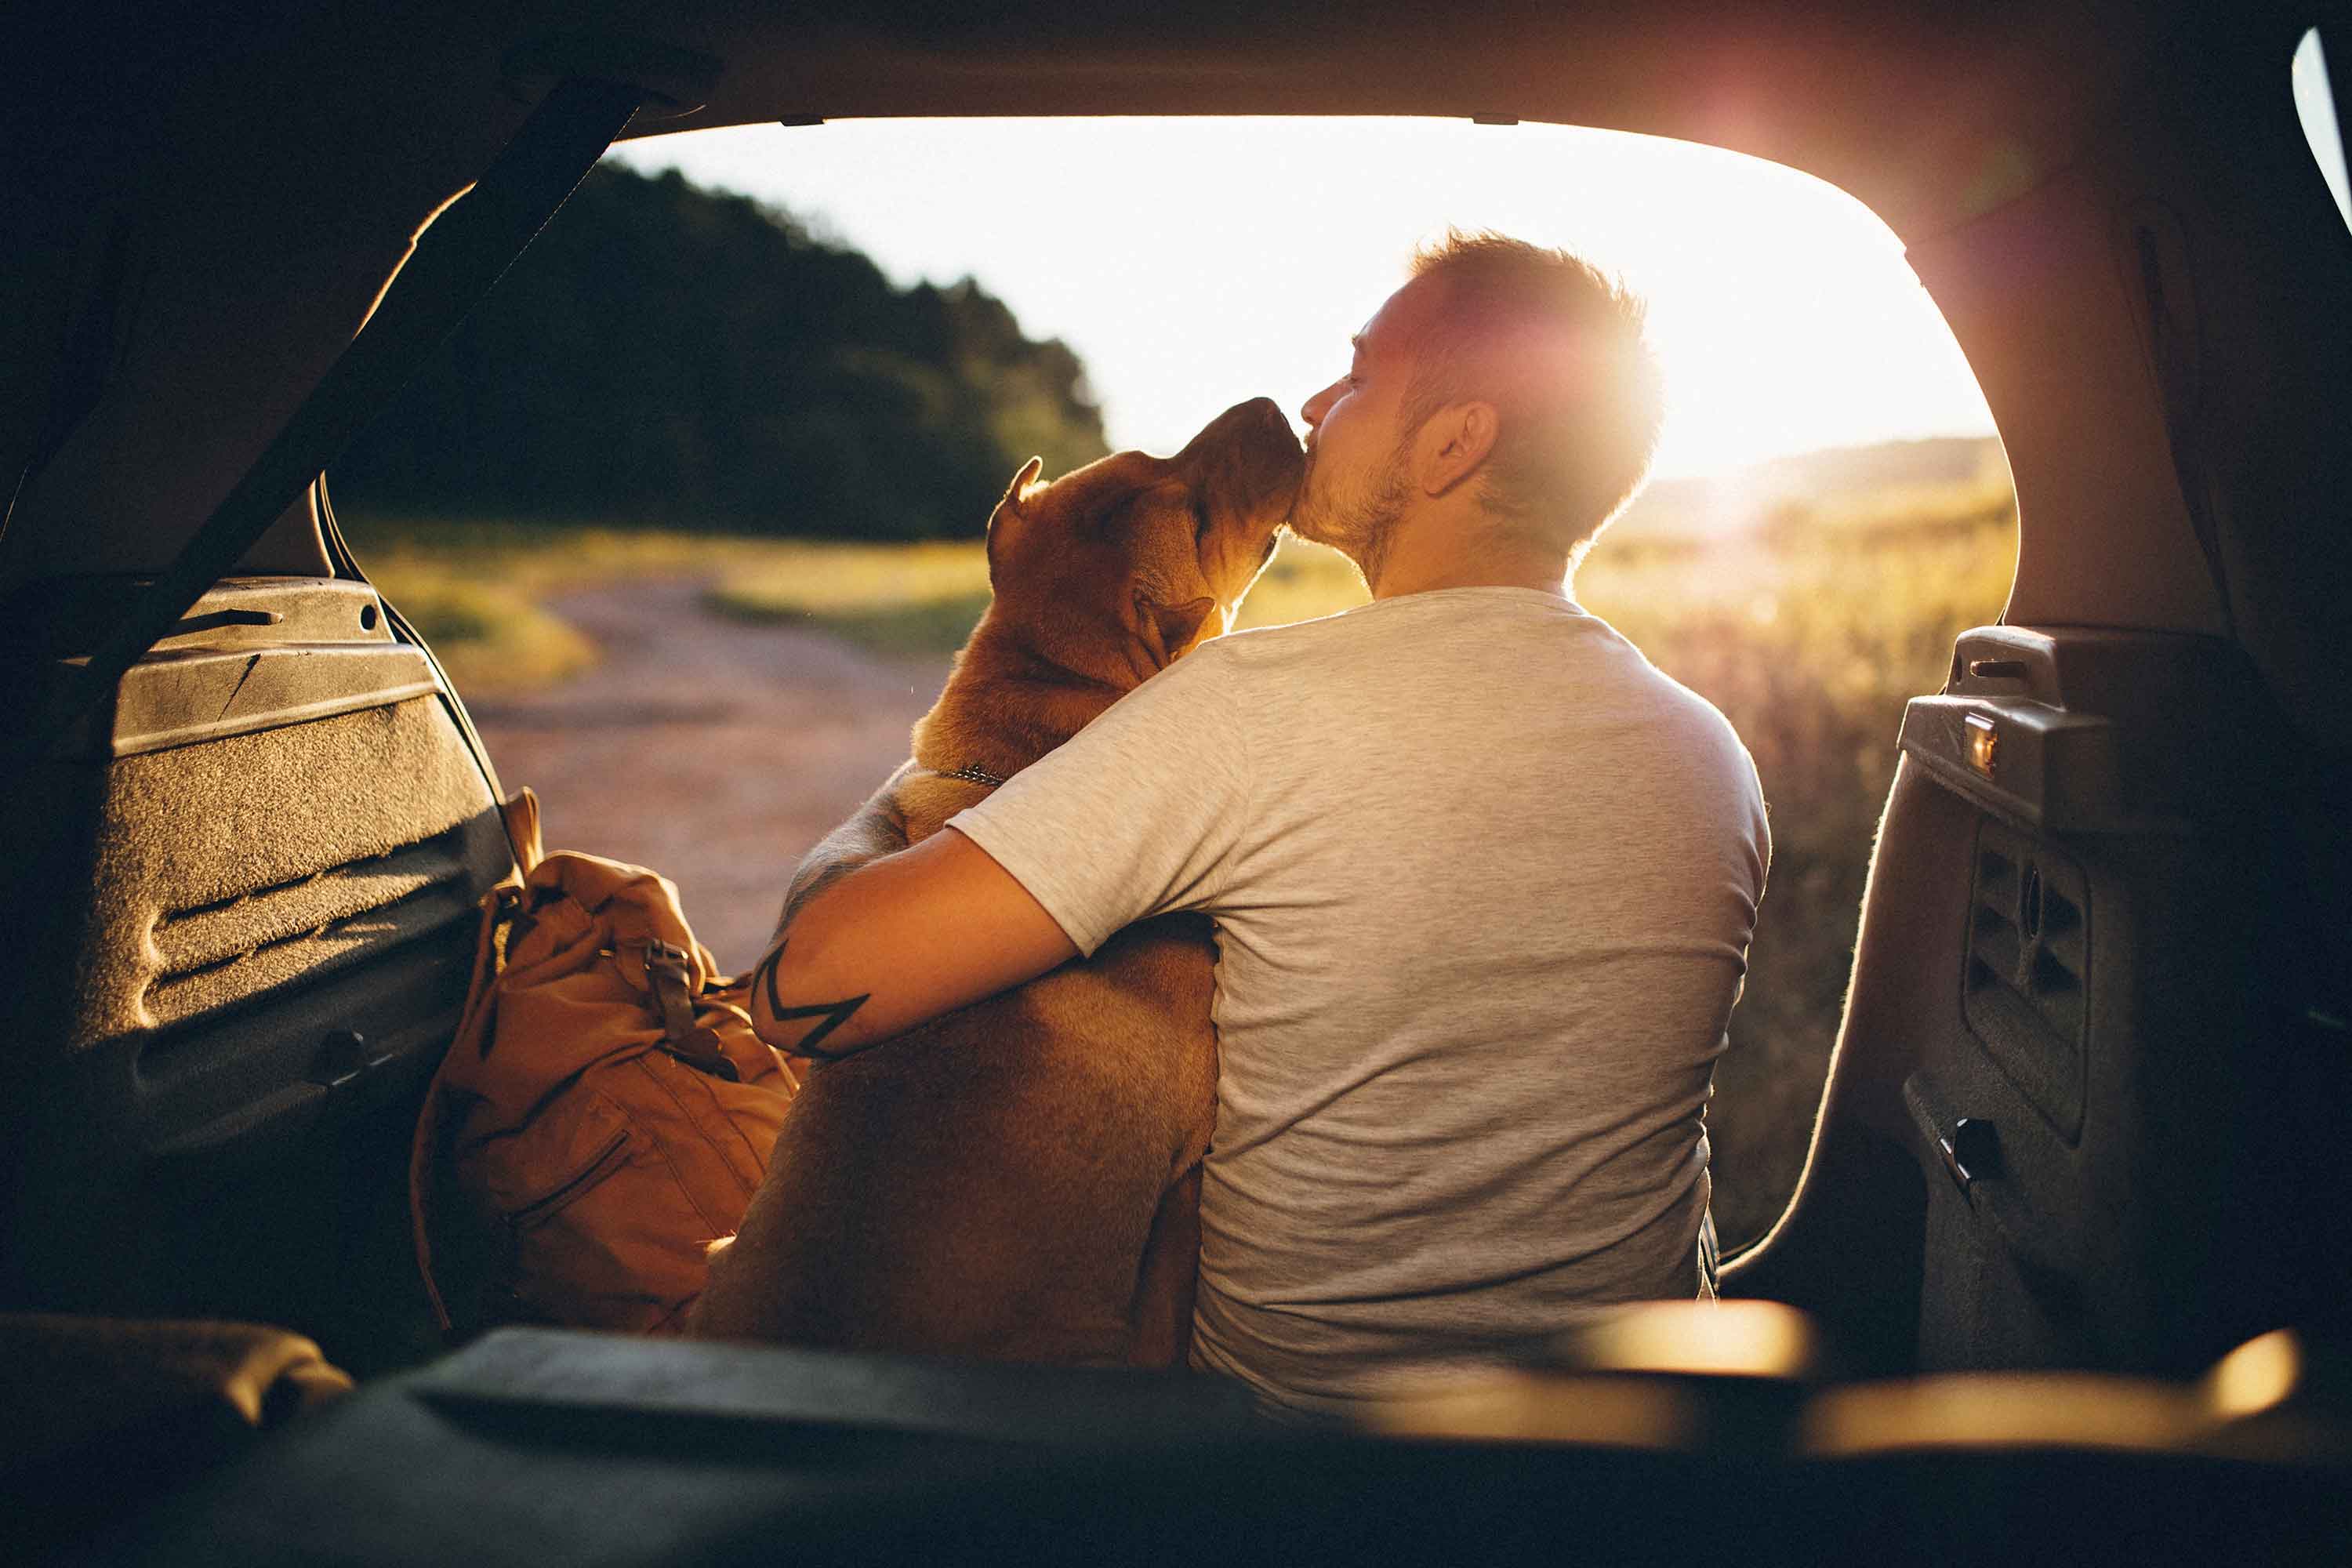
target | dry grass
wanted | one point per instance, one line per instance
(907, 598)
(1809, 633)
(1810, 644)
(474, 588)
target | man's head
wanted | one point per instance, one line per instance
(1507, 382)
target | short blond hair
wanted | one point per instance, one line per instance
(1557, 347)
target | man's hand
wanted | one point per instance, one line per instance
(898, 942)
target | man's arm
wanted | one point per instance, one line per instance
(898, 942)
(1130, 817)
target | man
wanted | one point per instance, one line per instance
(1482, 879)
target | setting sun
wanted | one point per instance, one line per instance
(1193, 262)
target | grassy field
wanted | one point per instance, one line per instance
(1810, 635)
(475, 589)
(1809, 630)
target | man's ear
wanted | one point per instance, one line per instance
(1013, 511)
(1452, 444)
(1169, 629)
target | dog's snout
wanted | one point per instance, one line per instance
(1264, 430)
(1256, 418)
(1268, 416)
(1249, 453)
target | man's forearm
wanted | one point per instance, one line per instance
(898, 942)
(809, 997)
(776, 1017)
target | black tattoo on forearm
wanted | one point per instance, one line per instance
(835, 1013)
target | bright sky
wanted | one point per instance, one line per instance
(1193, 263)
(2315, 105)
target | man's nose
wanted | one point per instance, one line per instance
(1317, 406)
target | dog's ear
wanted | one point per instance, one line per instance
(1011, 511)
(1023, 482)
(1168, 628)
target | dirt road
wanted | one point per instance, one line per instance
(712, 751)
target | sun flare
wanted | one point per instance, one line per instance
(1195, 262)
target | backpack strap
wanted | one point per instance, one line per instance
(666, 972)
(498, 906)
(519, 814)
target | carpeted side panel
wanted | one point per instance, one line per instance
(226, 869)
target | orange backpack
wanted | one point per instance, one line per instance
(604, 1113)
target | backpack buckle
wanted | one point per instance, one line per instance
(666, 972)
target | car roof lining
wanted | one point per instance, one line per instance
(1930, 115)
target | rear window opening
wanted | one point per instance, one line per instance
(635, 527)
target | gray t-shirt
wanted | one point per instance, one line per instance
(1482, 881)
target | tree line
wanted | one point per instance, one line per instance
(673, 356)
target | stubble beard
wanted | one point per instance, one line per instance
(1360, 523)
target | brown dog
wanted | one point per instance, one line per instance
(1019, 1180)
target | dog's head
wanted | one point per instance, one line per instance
(1133, 560)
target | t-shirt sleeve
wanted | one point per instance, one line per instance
(1136, 815)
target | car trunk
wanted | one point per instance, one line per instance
(2078, 1115)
